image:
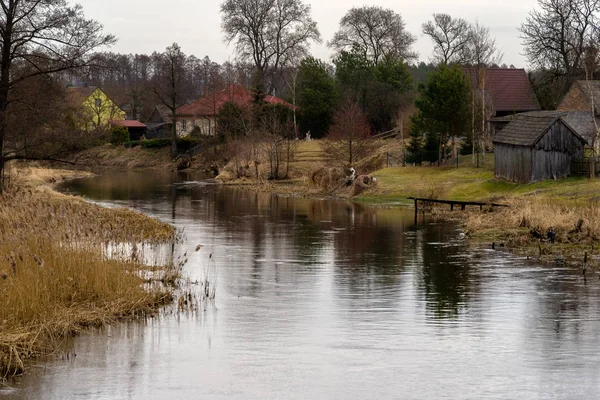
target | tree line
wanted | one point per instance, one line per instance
(45, 45)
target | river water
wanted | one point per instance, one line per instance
(322, 299)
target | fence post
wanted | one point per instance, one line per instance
(387, 159)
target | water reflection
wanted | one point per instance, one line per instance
(331, 299)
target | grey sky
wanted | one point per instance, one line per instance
(143, 26)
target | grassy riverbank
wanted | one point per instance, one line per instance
(55, 275)
(569, 207)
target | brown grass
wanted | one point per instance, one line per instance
(56, 275)
(527, 222)
(109, 156)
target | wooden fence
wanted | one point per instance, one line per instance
(585, 166)
(394, 160)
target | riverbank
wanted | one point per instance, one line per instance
(567, 209)
(536, 209)
(557, 221)
(120, 157)
(56, 277)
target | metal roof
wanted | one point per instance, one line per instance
(528, 128)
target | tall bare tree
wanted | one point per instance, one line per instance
(450, 36)
(376, 32)
(590, 63)
(40, 37)
(269, 33)
(170, 85)
(482, 52)
(556, 34)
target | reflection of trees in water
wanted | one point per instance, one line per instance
(561, 306)
(130, 185)
(369, 245)
(369, 250)
(446, 279)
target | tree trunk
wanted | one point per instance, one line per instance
(289, 155)
(1, 170)
(454, 152)
(350, 159)
(5, 64)
(473, 125)
(441, 150)
(174, 137)
(483, 130)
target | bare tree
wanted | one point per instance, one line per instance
(376, 32)
(555, 36)
(269, 33)
(482, 52)
(590, 63)
(450, 36)
(292, 86)
(170, 85)
(40, 38)
(40, 122)
(348, 139)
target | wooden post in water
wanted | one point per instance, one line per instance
(416, 212)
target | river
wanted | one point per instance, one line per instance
(323, 299)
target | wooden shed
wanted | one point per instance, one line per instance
(535, 148)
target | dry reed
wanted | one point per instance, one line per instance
(529, 220)
(57, 277)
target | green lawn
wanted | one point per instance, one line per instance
(469, 183)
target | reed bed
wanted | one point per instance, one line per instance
(526, 225)
(57, 277)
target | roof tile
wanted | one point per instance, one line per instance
(211, 104)
(510, 89)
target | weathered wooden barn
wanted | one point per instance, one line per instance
(534, 148)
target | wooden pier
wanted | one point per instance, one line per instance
(463, 204)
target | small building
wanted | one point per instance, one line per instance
(535, 148)
(582, 122)
(160, 123)
(201, 115)
(580, 97)
(92, 108)
(136, 129)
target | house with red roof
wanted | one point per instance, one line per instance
(507, 91)
(136, 129)
(202, 113)
(92, 108)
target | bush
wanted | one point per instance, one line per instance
(132, 144)
(186, 143)
(155, 143)
(119, 135)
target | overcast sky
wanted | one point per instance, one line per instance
(143, 26)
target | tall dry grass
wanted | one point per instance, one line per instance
(573, 222)
(57, 277)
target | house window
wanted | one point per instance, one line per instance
(98, 103)
(184, 125)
